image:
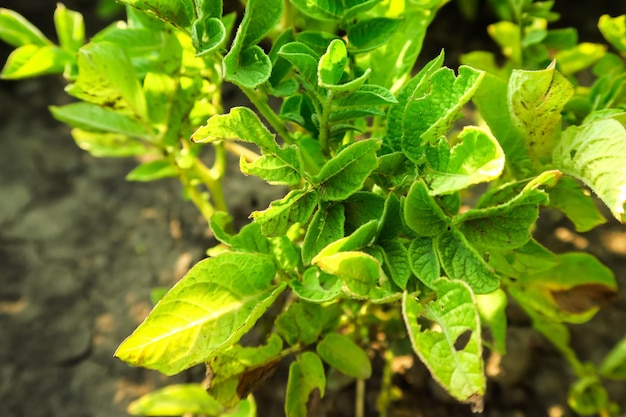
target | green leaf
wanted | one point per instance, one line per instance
(429, 115)
(462, 262)
(332, 64)
(491, 308)
(249, 68)
(505, 226)
(306, 382)
(528, 259)
(396, 264)
(416, 85)
(366, 96)
(285, 253)
(423, 260)
(595, 153)
(246, 64)
(17, 31)
(368, 34)
(536, 99)
(156, 51)
(572, 291)
(106, 78)
(218, 301)
(153, 170)
(587, 396)
(491, 98)
(614, 363)
(477, 158)
(422, 214)
(96, 118)
(579, 57)
(176, 400)
(251, 239)
(284, 168)
(340, 352)
(109, 145)
(296, 207)
(240, 123)
(178, 13)
(325, 227)
(34, 60)
(614, 31)
(239, 370)
(389, 226)
(300, 323)
(361, 238)
(207, 34)
(303, 58)
(318, 41)
(360, 272)
(317, 286)
(347, 171)
(363, 207)
(331, 10)
(451, 349)
(569, 197)
(70, 28)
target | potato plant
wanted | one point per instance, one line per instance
(398, 225)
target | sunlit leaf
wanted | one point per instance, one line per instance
(218, 301)
(595, 153)
(451, 348)
(176, 400)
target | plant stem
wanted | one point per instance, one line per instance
(260, 102)
(323, 137)
(359, 406)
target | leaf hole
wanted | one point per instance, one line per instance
(572, 153)
(462, 340)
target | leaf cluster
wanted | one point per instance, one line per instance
(397, 221)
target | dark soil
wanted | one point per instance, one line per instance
(80, 250)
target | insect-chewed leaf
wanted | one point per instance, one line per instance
(332, 63)
(218, 301)
(429, 115)
(475, 159)
(454, 360)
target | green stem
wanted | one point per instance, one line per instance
(260, 102)
(323, 138)
(212, 178)
(359, 406)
